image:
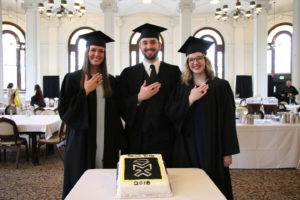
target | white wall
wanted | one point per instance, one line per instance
(123, 30)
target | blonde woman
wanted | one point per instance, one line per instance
(202, 109)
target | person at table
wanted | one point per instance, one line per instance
(10, 93)
(38, 98)
(289, 92)
(202, 109)
(16, 98)
(89, 106)
(145, 88)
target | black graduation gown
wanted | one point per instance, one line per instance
(289, 90)
(206, 131)
(35, 100)
(147, 128)
(78, 111)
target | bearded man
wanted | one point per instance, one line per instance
(145, 89)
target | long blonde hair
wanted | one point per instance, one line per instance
(187, 74)
(86, 68)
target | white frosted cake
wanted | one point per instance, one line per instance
(142, 176)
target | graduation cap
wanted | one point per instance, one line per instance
(96, 38)
(193, 45)
(149, 30)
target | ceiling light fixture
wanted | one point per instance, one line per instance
(60, 10)
(239, 13)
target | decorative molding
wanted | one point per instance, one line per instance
(186, 5)
(28, 6)
(109, 5)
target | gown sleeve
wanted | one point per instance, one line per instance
(177, 107)
(73, 106)
(230, 140)
(295, 91)
(129, 103)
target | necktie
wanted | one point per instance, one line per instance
(153, 73)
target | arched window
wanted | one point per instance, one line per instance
(279, 61)
(216, 52)
(135, 54)
(13, 55)
(76, 48)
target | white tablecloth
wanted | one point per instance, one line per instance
(187, 184)
(37, 123)
(292, 107)
(268, 146)
(50, 108)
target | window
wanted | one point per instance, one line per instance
(76, 48)
(216, 51)
(136, 55)
(13, 38)
(279, 50)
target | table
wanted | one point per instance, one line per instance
(50, 108)
(291, 107)
(35, 124)
(188, 183)
(264, 146)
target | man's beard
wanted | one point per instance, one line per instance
(152, 57)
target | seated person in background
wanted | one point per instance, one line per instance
(38, 98)
(16, 98)
(289, 92)
(10, 92)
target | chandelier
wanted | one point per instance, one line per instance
(239, 13)
(60, 10)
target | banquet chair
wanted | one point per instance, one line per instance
(2, 104)
(281, 107)
(57, 140)
(56, 111)
(48, 112)
(38, 110)
(10, 108)
(10, 139)
(46, 99)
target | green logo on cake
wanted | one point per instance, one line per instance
(142, 168)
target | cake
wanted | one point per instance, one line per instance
(142, 176)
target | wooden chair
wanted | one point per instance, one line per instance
(48, 112)
(2, 104)
(56, 111)
(38, 110)
(55, 140)
(281, 107)
(9, 138)
(10, 108)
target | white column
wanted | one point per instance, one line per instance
(186, 7)
(118, 67)
(260, 34)
(53, 47)
(32, 46)
(296, 47)
(1, 57)
(239, 48)
(109, 7)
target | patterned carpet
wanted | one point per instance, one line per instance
(45, 181)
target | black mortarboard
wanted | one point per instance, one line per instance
(193, 45)
(96, 38)
(149, 30)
